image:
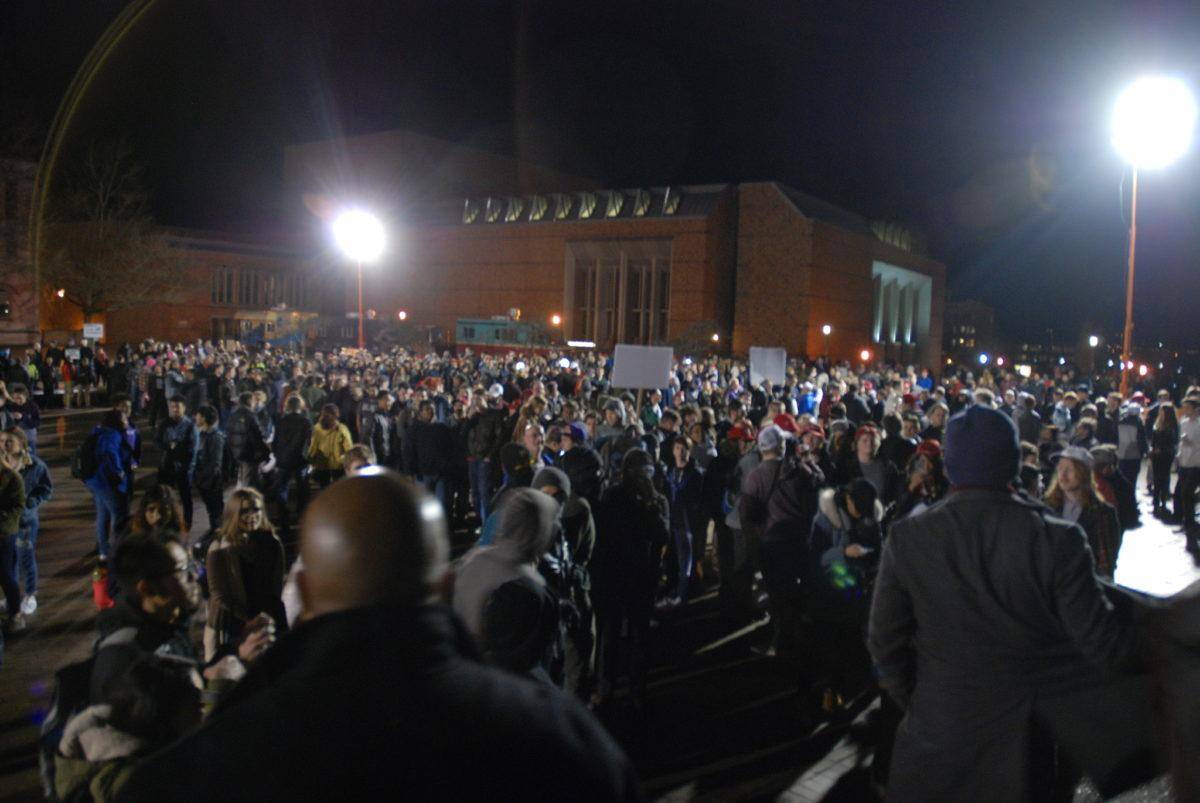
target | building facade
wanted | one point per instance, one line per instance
(751, 264)
(473, 235)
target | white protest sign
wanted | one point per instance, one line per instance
(642, 367)
(769, 364)
(93, 331)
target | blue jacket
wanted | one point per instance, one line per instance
(114, 462)
(37, 491)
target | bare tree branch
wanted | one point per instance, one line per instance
(105, 250)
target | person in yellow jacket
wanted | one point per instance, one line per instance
(330, 442)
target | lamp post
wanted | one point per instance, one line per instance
(1151, 128)
(360, 236)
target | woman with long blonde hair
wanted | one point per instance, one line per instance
(1073, 496)
(245, 566)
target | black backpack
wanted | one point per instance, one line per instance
(84, 464)
(70, 695)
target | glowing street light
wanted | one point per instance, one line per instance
(360, 236)
(556, 319)
(865, 354)
(1152, 126)
(1093, 341)
(402, 315)
(716, 338)
(827, 330)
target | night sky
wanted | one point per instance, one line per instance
(987, 130)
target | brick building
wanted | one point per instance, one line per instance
(233, 283)
(472, 235)
(754, 264)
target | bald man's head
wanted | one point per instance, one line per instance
(371, 538)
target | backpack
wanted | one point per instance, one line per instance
(84, 464)
(70, 693)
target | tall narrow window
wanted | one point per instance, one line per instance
(619, 291)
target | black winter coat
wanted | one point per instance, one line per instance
(415, 715)
(630, 534)
(211, 469)
(987, 619)
(487, 431)
(246, 436)
(292, 436)
(428, 449)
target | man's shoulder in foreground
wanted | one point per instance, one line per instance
(372, 712)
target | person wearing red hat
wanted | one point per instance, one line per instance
(721, 480)
(925, 483)
(787, 422)
(865, 462)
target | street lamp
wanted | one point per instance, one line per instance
(360, 236)
(1093, 341)
(826, 330)
(865, 354)
(555, 319)
(1152, 126)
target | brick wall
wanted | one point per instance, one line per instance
(774, 263)
(439, 274)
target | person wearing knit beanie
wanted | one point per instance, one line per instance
(982, 450)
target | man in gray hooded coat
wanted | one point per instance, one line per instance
(989, 628)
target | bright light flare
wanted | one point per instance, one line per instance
(1093, 341)
(402, 315)
(716, 338)
(1143, 370)
(865, 354)
(359, 234)
(827, 330)
(1153, 121)
(62, 293)
(555, 319)
(983, 359)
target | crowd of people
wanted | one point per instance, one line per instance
(586, 512)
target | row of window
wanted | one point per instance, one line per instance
(260, 288)
(623, 301)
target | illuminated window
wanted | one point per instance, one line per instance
(537, 207)
(616, 200)
(587, 205)
(470, 211)
(513, 210)
(562, 206)
(671, 201)
(619, 292)
(493, 209)
(641, 203)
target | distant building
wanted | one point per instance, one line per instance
(753, 264)
(472, 235)
(970, 330)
